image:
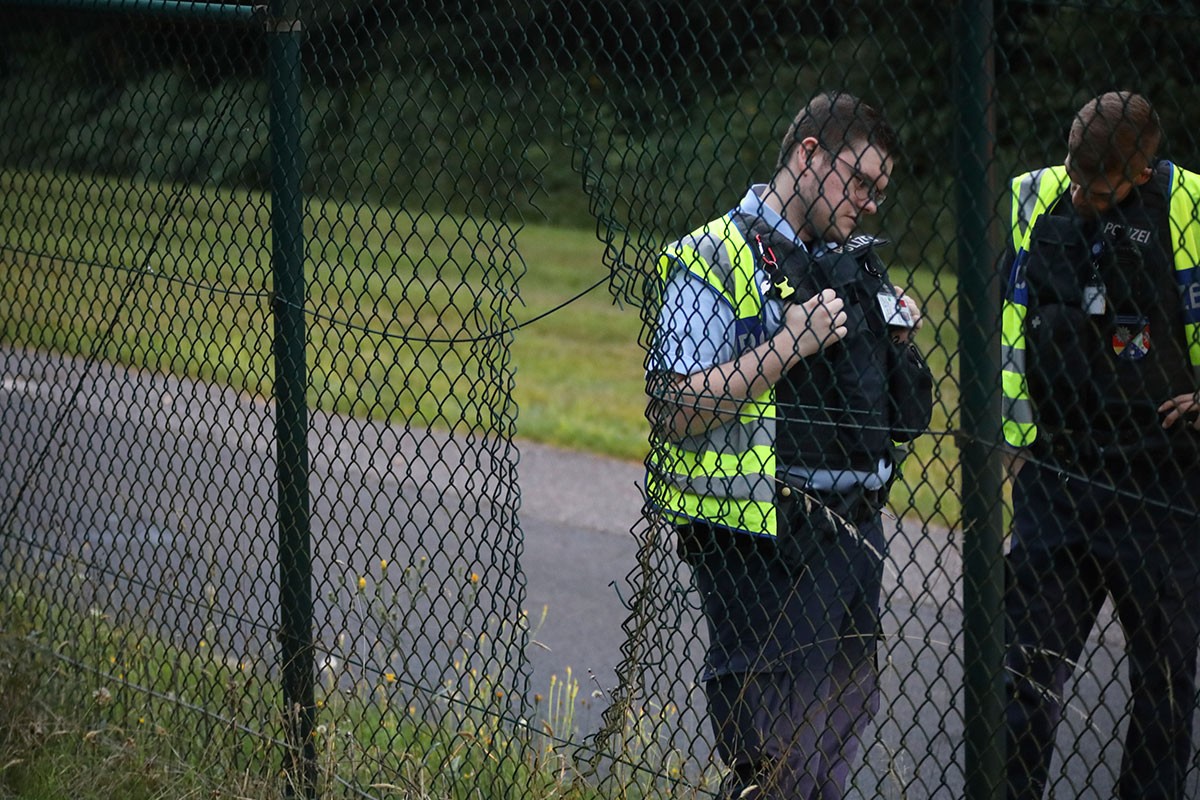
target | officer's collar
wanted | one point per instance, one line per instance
(752, 204)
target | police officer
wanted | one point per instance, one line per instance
(1101, 364)
(781, 374)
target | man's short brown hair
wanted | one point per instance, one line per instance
(837, 119)
(1115, 132)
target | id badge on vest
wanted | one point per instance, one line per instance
(1095, 302)
(895, 313)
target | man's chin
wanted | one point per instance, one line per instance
(839, 231)
(839, 235)
(834, 236)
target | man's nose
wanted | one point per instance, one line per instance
(1082, 200)
(866, 205)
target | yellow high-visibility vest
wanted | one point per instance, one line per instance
(725, 476)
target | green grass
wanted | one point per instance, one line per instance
(386, 290)
(400, 284)
(929, 491)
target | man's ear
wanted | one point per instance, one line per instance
(1146, 174)
(808, 145)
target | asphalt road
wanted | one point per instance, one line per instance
(155, 499)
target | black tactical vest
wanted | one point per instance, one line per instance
(833, 407)
(1104, 335)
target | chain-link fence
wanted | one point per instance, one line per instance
(309, 311)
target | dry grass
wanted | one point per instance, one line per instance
(68, 732)
(56, 743)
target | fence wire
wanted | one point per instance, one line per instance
(487, 192)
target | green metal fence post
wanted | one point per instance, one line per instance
(291, 380)
(983, 565)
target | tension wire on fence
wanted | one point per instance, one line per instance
(499, 334)
(144, 273)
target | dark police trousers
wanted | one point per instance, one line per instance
(1128, 532)
(791, 675)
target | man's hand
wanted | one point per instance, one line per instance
(816, 323)
(692, 404)
(1181, 407)
(901, 335)
(1012, 460)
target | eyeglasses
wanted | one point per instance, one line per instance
(862, 186)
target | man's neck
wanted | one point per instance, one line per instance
(772, 199)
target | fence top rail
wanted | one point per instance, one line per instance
(231, 12)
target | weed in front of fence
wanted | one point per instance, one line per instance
(432, 730)
(92, 731)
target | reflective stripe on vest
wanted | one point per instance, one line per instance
(725, 476)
